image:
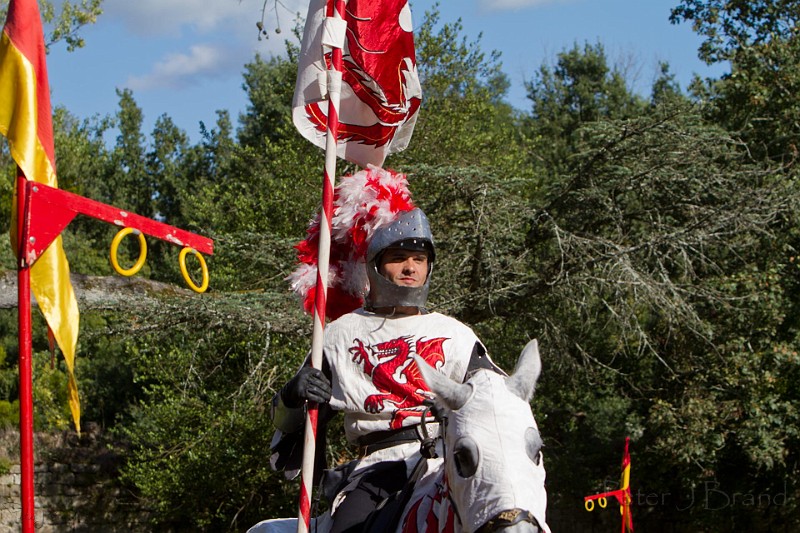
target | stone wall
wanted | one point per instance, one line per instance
(76, 488)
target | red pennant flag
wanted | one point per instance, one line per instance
(380, 84)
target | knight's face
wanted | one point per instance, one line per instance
(406, 268)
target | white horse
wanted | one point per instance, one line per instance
(491, 477)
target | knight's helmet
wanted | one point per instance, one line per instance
(410, 231)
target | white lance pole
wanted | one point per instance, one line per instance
(335, 20)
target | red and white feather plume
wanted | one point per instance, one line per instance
(362, 203)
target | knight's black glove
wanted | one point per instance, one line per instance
(308, 384)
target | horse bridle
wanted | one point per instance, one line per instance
(508, 519)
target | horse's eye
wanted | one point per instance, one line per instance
(466, 457)
(533, 445)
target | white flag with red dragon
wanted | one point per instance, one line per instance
(380, 91)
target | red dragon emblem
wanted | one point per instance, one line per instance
(381, 90)
(395, 374)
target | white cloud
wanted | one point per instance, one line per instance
(179, 70)
(177, 26)
(500, 5)
(160, 17)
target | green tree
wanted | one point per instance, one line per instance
(665, 87)
(656, 266)
(731, 26)
(83, 162)
(129, 187)
(262, 189)
(165, 165)
(269, 86)
(209, 367)
(579, 89)
(463, 120)
(761, 43)
(171, 184)
(67, 22)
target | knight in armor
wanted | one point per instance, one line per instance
(368, 373)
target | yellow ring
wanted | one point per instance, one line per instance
(182, 261)
(115, 248)
(602, 502)
(589, 504)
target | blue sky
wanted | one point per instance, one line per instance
(185, 58)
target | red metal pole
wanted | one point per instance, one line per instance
(25, 366)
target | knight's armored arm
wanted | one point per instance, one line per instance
(286, 449)
(309, 384)
(285, 418)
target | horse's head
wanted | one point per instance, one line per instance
(493, 458)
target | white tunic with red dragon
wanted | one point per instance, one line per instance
(375, 380)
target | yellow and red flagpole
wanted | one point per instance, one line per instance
(622, 495)
(42, 211)
(334, 12)
(625, 487)
(42, 214)
(25, 119)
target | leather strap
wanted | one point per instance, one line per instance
(378, 440)
(507, 519)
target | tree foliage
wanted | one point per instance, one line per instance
(462, 109)
(66, 18)
(731, 26)
(580, 88)
(650, 256)
(760, 40)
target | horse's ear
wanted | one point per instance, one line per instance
(526, 374)
(453, 394)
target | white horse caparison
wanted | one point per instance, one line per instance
(491, 476)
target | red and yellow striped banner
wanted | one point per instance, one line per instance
(26, 121)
